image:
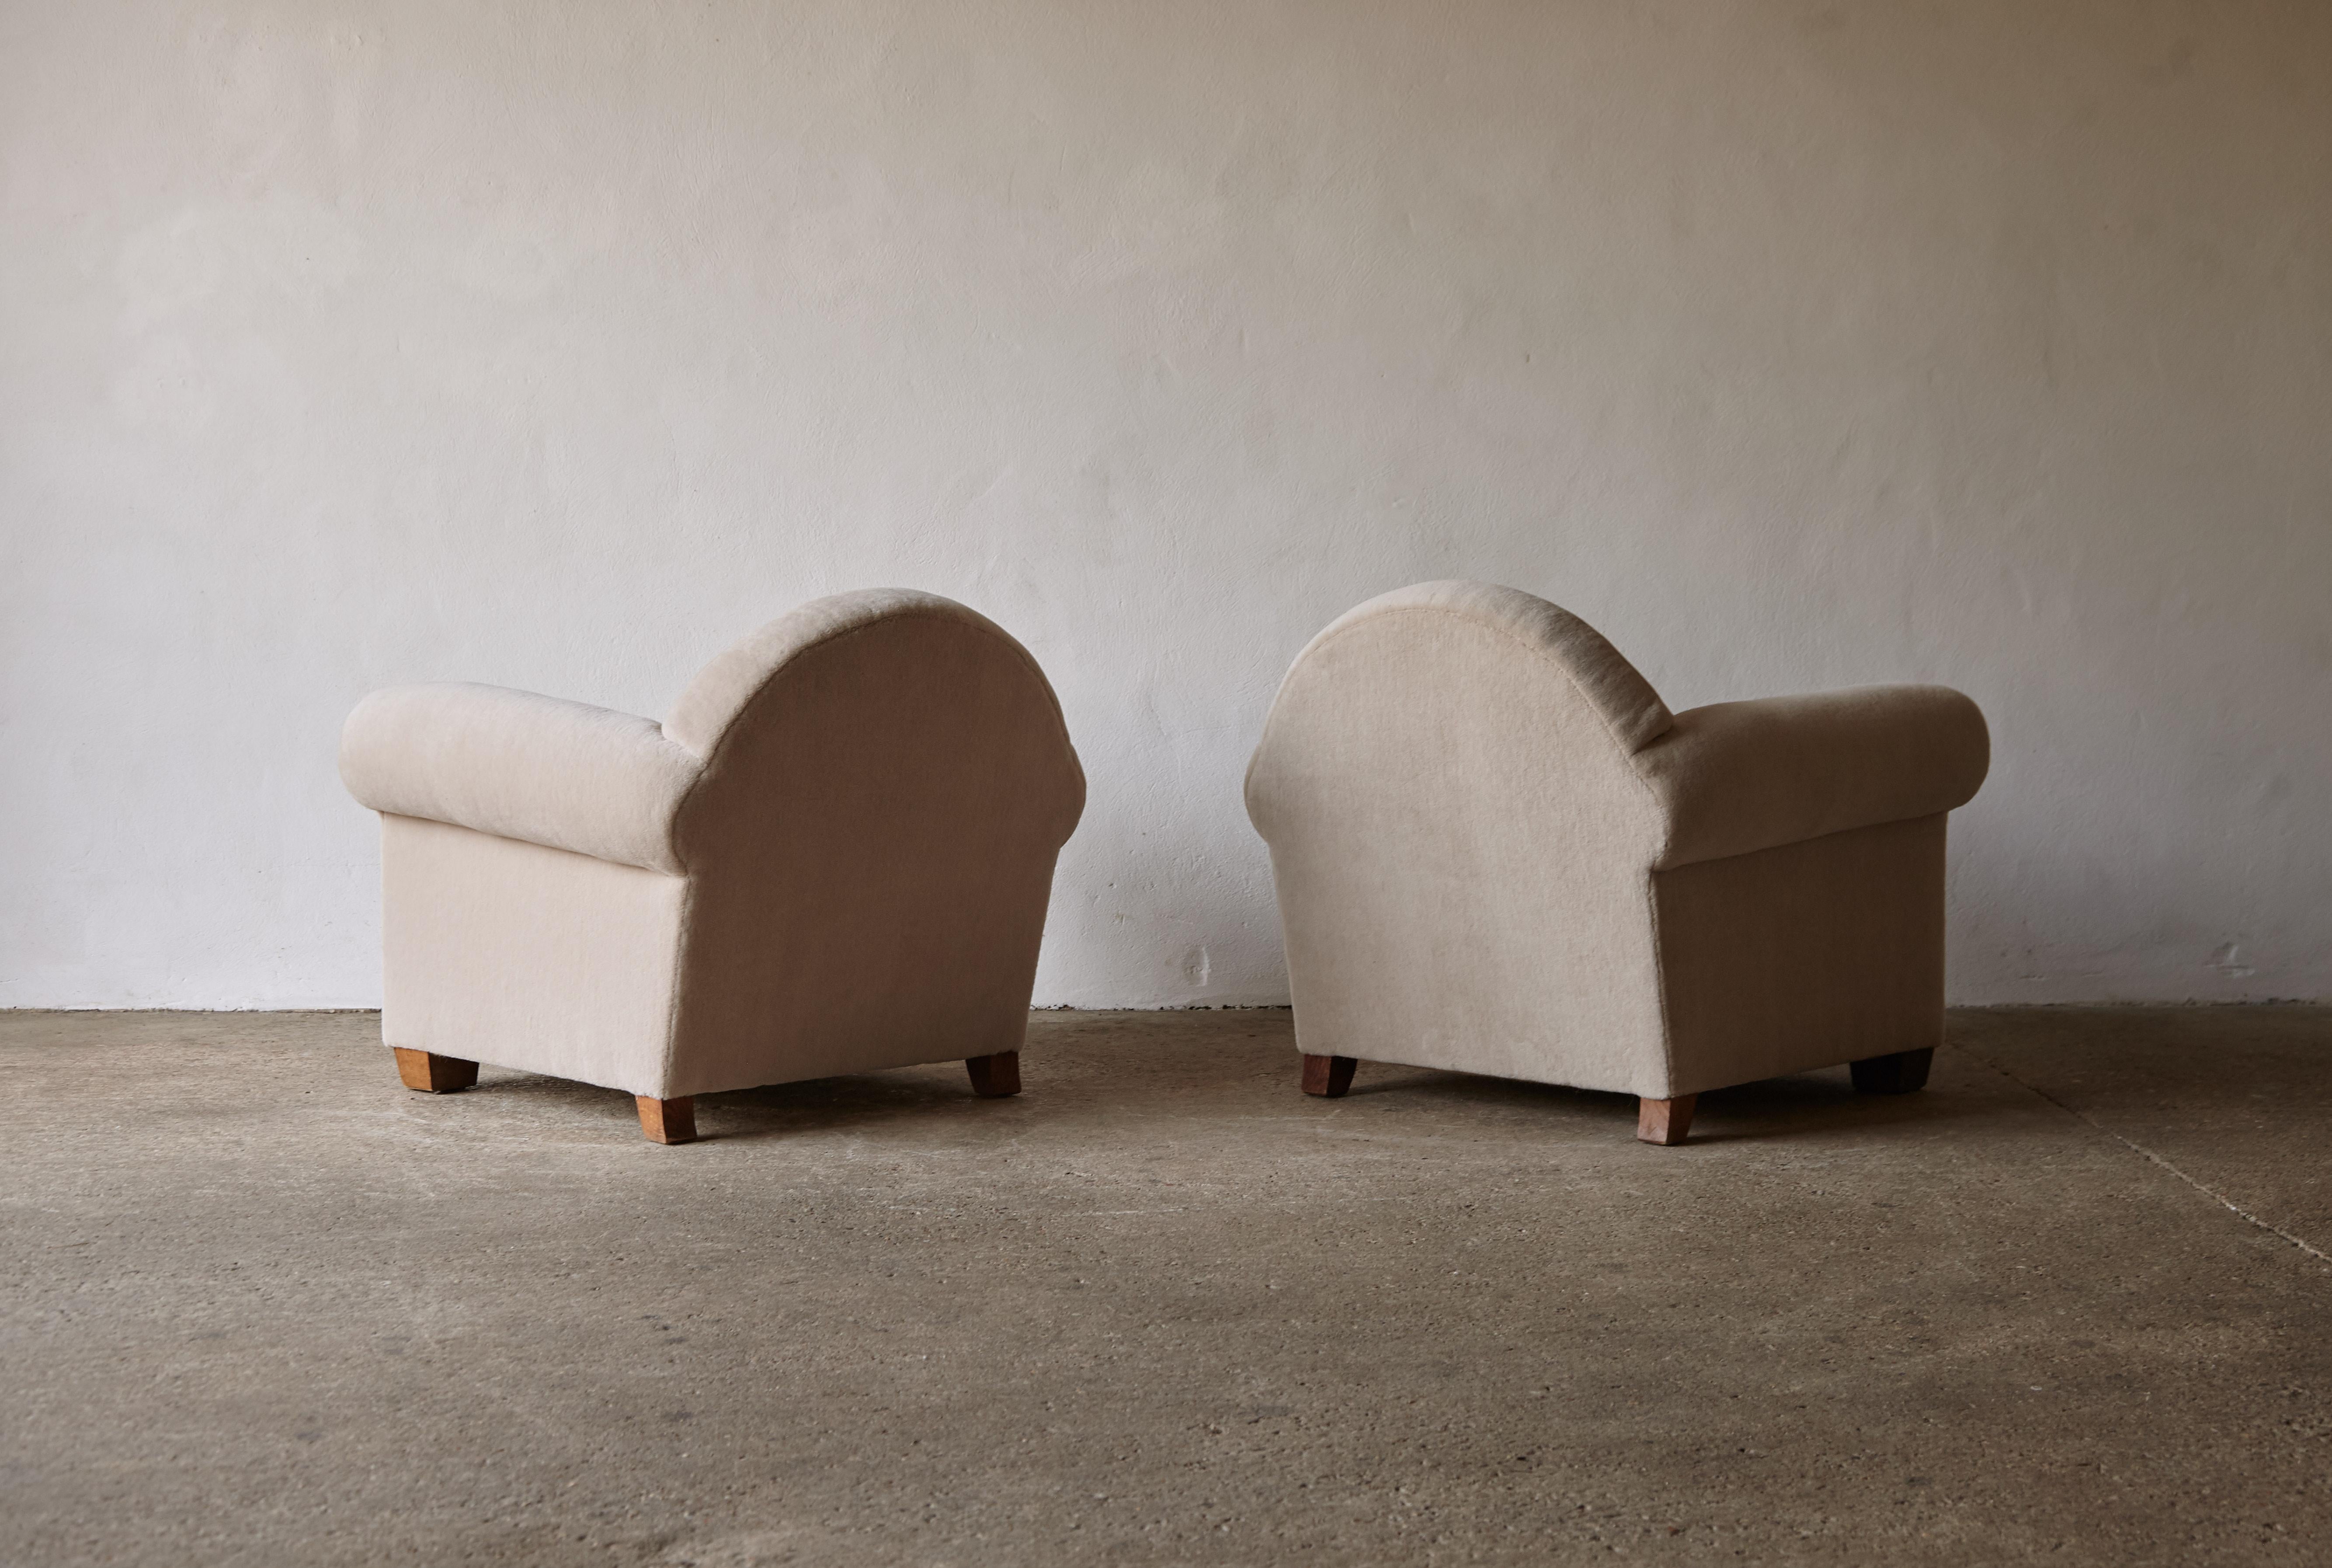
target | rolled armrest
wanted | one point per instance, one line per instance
(519, 766)
(1734, 777)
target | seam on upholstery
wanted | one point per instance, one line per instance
(1247, 778)
(1810, 838)
(686, 926)
(989, 630)
(1538, 653)
(1660, 975)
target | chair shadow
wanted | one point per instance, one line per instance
(1795, 1105)
(854, 1100)
(939, 1096)
(847, 1103)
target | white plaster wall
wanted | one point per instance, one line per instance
(1793, 344)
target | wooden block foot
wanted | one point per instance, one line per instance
(1328, 1076)
(1900, 1073)
(668, 1121)
(994, 1078)
(434, 1074)
(1665, 1122)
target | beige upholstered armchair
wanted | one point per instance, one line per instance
(835, 856)
(1497, 851)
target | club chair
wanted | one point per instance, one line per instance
(1497, 851)
(833, 856)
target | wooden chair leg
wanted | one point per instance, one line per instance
(994, 1078)
(668, 1121)
(434, 1074)
(1328, 1076)
(1899, 1072)
(1665, 1122)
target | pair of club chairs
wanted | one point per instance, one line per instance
(1495, 849)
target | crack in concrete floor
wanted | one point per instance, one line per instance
(2204, 1188)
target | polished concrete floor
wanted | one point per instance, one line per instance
(263, 1305)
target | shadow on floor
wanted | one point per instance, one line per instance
(1201, 1085)
(857, 1101)
(1802, 1103)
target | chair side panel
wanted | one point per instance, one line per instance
(1804, 956)
(495, 950)
(1459, 851)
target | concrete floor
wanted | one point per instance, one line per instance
(264, 1307)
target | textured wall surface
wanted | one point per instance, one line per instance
(557, 345)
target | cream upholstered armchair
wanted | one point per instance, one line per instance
(835, 856)
(1497, 851)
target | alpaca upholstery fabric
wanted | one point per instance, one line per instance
(835, 856)
(1498, 851)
